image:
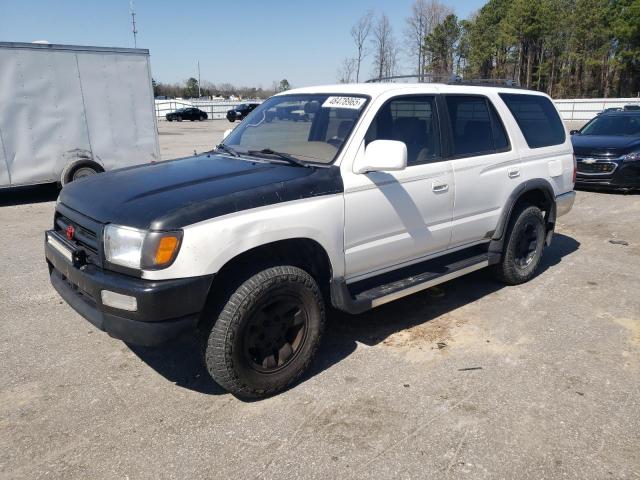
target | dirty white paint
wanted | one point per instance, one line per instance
(63, 104)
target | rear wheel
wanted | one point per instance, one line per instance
(524, 246)
(266, 334)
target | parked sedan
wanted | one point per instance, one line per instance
(191, 113)
(241, 111)
(607, 151)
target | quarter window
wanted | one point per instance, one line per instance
(537, 118)
(475, 126)
(412, 120)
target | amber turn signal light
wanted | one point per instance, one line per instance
(166, 249)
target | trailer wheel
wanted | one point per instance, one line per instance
(81, 170)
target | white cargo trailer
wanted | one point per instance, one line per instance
(68, 111)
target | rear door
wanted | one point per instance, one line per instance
(486, 167)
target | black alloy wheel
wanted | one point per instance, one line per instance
(274, 333)
(526, 245)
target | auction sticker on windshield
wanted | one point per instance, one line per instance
(344, 102)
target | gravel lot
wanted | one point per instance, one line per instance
(469, 380)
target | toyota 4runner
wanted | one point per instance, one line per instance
(387, 190)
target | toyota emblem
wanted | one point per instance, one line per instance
(70, 232)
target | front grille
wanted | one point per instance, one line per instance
(596, 166)
(85, 238)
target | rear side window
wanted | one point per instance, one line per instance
(537, 118)
(475, 126)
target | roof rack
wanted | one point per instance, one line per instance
(450, 80)
(421, 78)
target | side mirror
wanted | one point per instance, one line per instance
(226, 133)
(383, 156)
(574, 132)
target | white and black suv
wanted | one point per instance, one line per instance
(388, 189)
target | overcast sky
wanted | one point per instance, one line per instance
(244, 42)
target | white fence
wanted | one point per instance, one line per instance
(579, 110)
(585, 109)
(216, 109)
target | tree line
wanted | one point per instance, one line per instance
(189, 89)
(566, 48)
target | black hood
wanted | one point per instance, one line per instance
(173, 194)
(604, 144)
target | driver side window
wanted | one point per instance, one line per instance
(412, 120)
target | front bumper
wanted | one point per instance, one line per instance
(625, 176)
(165, 309)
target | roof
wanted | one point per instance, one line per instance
(376, 89)
(73, 48)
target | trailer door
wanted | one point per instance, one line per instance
(118, 103)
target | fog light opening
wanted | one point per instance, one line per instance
(119, 301)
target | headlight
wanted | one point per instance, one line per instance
(631, 157)
(133, 248)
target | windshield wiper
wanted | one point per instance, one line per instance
(228, 149)
(284, 156)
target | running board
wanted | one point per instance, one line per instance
(365, 295)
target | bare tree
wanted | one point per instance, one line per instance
(384, 48)
(360, 33)
(425, 15)
(347, 70)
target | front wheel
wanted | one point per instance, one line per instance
(524, 246)
(266, 334)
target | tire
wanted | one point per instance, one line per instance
(169, 119)
(266, 333)
(82, 172)
(78, 171)
(524, 246)
(178, 118)
(201, 118)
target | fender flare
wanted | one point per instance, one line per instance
(497, 240)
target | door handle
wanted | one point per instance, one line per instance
(439, 187)
(514, 173)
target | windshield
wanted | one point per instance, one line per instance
(615, 125)
(308, 127)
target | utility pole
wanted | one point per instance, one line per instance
(199, 95)
(133, 24)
